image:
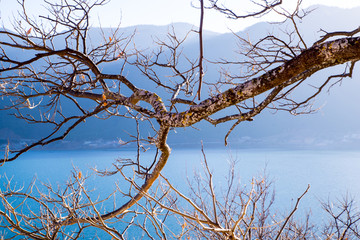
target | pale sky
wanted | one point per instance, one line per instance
(163, 12)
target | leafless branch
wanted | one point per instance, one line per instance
(265, 6)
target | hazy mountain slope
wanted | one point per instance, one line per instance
(335, 124)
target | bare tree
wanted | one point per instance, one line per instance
(59, 64)
(237, 211)
(344, 221)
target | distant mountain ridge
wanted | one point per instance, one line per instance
(335, 125)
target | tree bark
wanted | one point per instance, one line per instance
(315, 58)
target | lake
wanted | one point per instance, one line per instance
(331, 174)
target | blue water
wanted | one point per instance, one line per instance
(331, 174)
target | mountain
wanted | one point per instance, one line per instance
(334, 125)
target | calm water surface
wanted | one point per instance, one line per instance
(331, 174)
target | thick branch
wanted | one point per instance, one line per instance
(165, 153)
(317, 57)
